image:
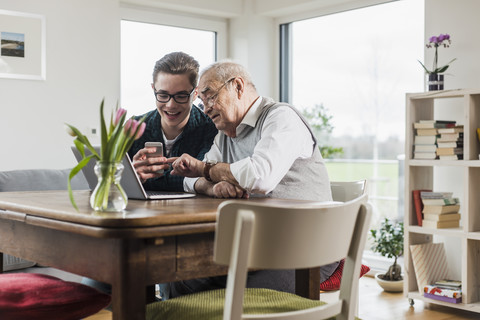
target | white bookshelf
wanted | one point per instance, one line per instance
(421, 174)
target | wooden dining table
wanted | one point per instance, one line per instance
(150, 242)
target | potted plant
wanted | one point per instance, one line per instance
(388, 241)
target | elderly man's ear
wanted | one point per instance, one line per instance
(239, 86)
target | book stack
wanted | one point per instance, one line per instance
(444, 290)
(450, 143)
(426, 134)
(440, 210)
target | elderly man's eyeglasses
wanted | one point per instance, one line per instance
(164, 97)
(210, 101)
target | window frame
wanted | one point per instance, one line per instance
(180, 20)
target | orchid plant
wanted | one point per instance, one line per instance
(436, 42)
(116, 140)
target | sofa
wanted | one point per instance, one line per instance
(34, 180)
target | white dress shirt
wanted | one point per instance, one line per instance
(285, 138)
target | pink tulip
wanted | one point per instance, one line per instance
(134, 127)
(140, 130)
(119, 115)
(127, 126)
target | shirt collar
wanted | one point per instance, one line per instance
(251, 117)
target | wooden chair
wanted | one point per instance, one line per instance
(255, 235)
(347, 190)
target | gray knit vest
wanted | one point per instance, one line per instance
(307, 179)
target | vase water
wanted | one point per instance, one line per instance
(108, 195)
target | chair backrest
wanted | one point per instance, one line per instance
(347, 190)
(257, 235)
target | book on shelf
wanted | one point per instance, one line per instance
(435, 209)
(418, 205)
(435, 195)
(429, 263)
(440, 201)
(425, 139)
(450, 144)
(427, 132)
(449, 284)
(424, 124)
(445, 123)
(425, 155)
(450, 137)
(442, 294)
(440, 224)
(441, 217)
(442, 298)
(451, 157)
(438, 290)
(449, 151)
(456, 129)
(424, 148)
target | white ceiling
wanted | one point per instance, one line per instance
(234, 8)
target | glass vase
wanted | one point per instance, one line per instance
(108, 195)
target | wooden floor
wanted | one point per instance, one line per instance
(375, 304)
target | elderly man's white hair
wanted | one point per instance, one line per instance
(227, 69)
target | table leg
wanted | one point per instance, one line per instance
(150, 294)
(129, 281)
(307, 283)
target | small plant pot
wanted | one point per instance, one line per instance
(389, 286)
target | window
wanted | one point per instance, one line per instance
(142, 44)
(359, 64)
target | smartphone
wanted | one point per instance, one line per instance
(157, 153)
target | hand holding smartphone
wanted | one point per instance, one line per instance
(157, 153)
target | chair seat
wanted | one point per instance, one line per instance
(208, 305)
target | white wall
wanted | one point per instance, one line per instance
(252, 43)
(460, 20)
(83, 42)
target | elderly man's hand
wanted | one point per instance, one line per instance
(225, 189)
(187, 166)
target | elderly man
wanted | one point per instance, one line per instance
(263, 148)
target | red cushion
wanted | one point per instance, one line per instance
(37, 296)
(333, 282)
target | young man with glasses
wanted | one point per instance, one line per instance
(176, 122)
(263, 149)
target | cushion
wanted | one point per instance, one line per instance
(39, 179)
(208, 305)
(333, 282)
(37, 296)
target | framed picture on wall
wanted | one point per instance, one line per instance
(22, 45)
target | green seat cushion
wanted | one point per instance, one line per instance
(208, 305)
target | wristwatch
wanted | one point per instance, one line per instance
(206, 169)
